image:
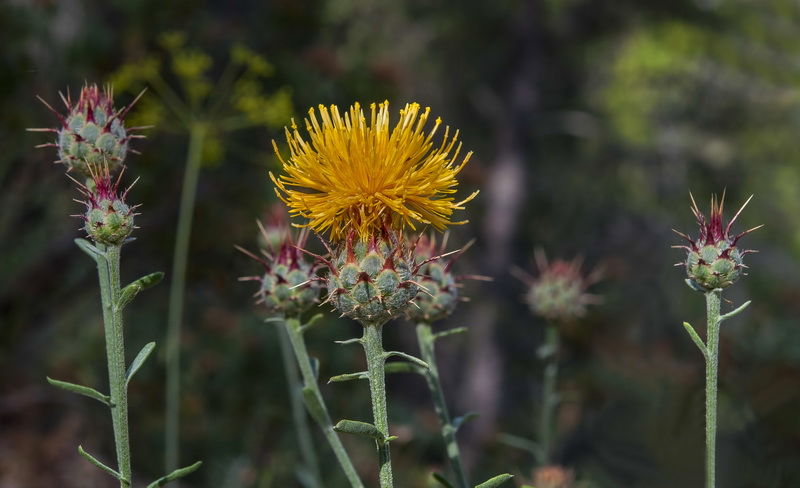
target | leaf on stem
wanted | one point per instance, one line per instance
(102, 466)
(89, 249)
(178, 473)
(442, 480)
(140, 359)
(460, 421)
(403, 367)
(532, 447)
(496, 481)
(445, 333)
(407, 357)
(355, 340)
(81, 390)
(311, 322)
(734, 312)
(314, 405)
(696, 338)
(361, 428)
(361, 375)
(129, 292)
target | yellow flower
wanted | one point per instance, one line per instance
(358, 174)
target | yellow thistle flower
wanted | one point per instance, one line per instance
(358, 174)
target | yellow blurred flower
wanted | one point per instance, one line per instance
(359, 174)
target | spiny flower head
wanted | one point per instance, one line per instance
(713, 260)
(92, 133)
(559, 291)
(108, 219)
(439, 294)
(373, 280)
(289, 285)
(362, 174)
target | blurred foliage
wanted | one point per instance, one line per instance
(612, 110)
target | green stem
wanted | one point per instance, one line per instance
(108, 273)
(376, 357)
(298, 410)
(426, 342)
(712, 363)
(295, 333)
(197, 132)
(549, 393)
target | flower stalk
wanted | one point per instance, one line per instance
(427, 339)
(372, 341)
(312, 396)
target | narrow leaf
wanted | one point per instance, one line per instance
(403, 367)
(81, 390)
(407, 357)
(140, 359)
(442, 480)
(100, 465)
(89, 249)
(696, 338)
(694, 286)
(129, 292)
(445, 333)
(311, 322)
(496, 481)
(361, 375)
(734, 312)
(355, 340)
(522, 443)
(459, 421)
(359, 428)
(315, 407)
(178, 473)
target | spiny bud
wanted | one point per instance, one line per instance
(92, 133)
(108, 219)
(439, 294)
(289, 285)
(713, 260)
(372, 280)
(559, 292)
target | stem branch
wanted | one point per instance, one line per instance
(426, 341)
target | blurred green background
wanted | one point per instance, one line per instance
(590, 122)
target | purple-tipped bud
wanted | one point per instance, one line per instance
(289, 285)
(713, 259)
(559, 291)
(108, 219)
(439, 296)
(92, 134)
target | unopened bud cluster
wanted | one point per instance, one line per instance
(289, 286)
(439, 295)
(372, 280)
(713, 261)
(92, 134)
(108, 219)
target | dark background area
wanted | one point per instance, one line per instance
(590, 122)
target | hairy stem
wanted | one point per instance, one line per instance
(197, 133)
(301, 427)
(712, 363)
(108, 273)
(426, 342)
(549, 393)
(376, 358)
(294, 331)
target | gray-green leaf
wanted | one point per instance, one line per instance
(178, 473)
(359, 428)
(459, 421)
(100, 465)
(89, 249)
(129, 292)
(81, 390)
(496, 481)
(140, 359)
